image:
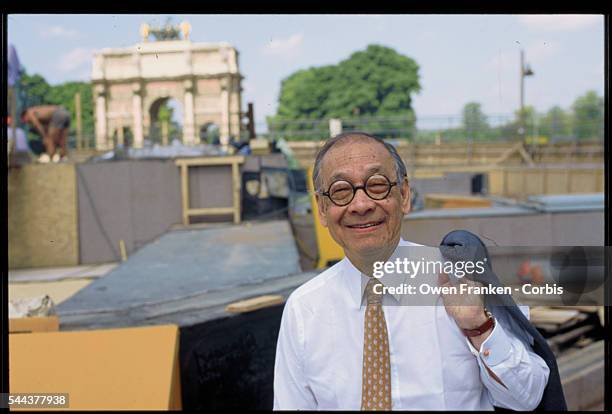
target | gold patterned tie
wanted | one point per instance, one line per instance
(376, 374)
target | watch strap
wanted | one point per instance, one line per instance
(482, 328)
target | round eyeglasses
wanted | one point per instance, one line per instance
(342, 192)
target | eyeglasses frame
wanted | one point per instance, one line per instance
(360, 187)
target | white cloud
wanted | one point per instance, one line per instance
(57, 31)
(288, 47)
(560, 22)
(75, 59)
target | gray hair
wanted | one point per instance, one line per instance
(400, 167)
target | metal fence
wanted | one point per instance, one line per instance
(442, 128)
(426, 129)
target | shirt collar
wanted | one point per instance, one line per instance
(357, 281)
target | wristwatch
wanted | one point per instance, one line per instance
(482, 328)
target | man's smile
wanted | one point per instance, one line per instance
(368, 225)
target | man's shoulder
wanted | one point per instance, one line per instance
(318, 286)
(409, 243)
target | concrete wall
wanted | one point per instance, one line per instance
(511, 229)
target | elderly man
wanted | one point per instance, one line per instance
(340, 348)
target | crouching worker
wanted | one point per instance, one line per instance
(52, 122)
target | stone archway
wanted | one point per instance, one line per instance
(203, 77)
(123, 136)
(209, 133)
(164, 126)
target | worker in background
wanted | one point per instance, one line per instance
(52, 122)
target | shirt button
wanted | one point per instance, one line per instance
(486, 352)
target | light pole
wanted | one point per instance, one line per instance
(525, 71)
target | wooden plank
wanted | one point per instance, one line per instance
(185, 194)
(525, 155)
(548, 315)
(210, 210)
(202, 161)
(233, 161)
(236, 192)
(581, 308)
(561, 339)
(252, 304)
(34, 324)
(455, 201)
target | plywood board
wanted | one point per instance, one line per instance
(455, 201)
(113, 369)
(134, 201)
(554, 316)
(34, 324)
(42, 216)
(249, 305)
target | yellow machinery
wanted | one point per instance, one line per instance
(329, 250)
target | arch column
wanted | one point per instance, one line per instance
(189, 136)
(224, 129)
(101, 130)
(137, 114)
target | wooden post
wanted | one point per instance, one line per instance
(236, 195)
(505, 186)
(185, 193)
(123, 250)
(233, 162)
(79, 123)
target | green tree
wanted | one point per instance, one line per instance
(165, 114)
(556, 123)
(34, 90)
(63, 94)
(474, 121)
(588, 116)
(370, 85)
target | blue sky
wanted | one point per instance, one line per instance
(462, 58)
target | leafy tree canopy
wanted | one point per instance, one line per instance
(375, 82)
(474, 120)
(588, 115)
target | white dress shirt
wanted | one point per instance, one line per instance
(433, 365)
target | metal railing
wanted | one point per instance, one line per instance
(439, 129)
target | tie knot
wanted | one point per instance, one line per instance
(372, 297)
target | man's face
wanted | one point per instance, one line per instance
(355, 160)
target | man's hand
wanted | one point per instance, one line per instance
(467, 309)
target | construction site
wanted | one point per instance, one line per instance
(184, 252)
